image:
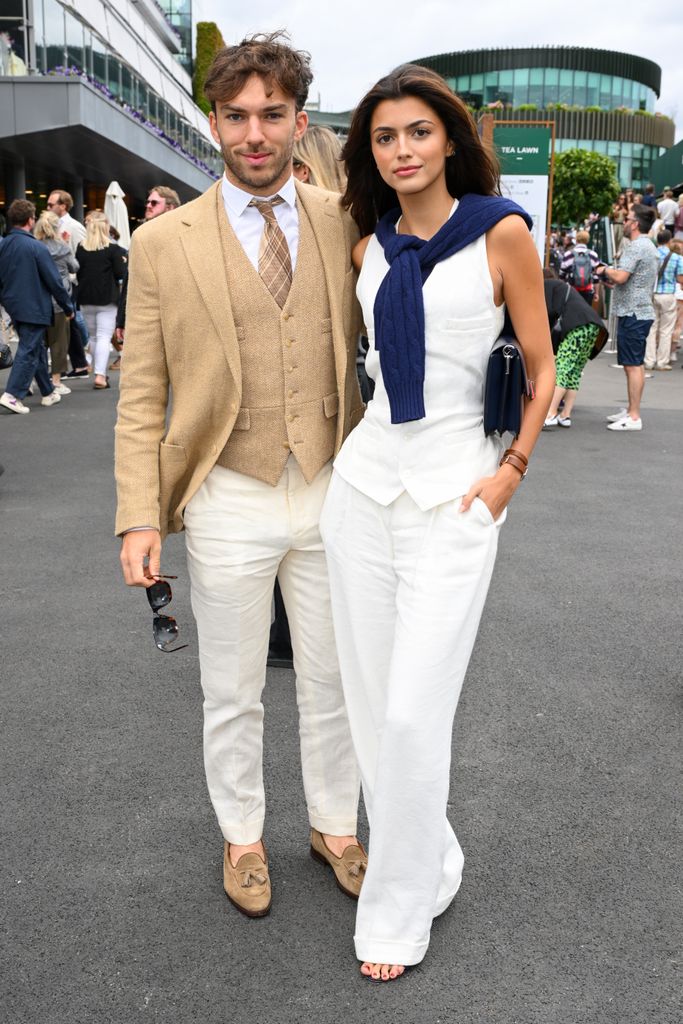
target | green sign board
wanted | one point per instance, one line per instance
(522, 150)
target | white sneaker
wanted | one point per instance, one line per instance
(564, 421)
(62, 389)
(51, 399)
(616, 416)
(626, 424)
(550, 422)
(12, 403)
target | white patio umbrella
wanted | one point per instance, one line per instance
(116, 213)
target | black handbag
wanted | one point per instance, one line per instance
(507, 385)
(557, 331)
(6, 357)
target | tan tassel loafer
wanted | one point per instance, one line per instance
(349, 869)
(247, 884)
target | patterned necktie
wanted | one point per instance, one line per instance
(274, 260)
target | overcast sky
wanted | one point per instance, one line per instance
(363, 39)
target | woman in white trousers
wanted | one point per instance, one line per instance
(102, 266)
(419, 493)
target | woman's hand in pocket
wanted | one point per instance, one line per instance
(494, 491)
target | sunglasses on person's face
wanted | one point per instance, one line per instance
(164, 627)
(154, 202)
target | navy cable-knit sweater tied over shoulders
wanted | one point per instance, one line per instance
(399, 306)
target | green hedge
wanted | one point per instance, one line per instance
(209, 42)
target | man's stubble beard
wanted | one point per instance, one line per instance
(255, 181)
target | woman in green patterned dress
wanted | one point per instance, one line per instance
(582, 332)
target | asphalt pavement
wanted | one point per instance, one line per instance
(565, 777)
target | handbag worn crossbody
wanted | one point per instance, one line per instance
(507, 385)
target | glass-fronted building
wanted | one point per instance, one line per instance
(565, 84)
(92, 90)
(181, 16)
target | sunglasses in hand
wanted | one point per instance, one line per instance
(164, 627)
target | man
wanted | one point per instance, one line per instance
(649, 197)
(669, 272)
(73, 233)
(579, 267)
(160, 200)
(28, 282)
(634, 281)
(61, 203)
(242, 305)
(667, 209)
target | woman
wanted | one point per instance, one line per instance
(47, 230)
(418, 496)
(102, 265)
(581, 329)
(317, 159)
(618, 216)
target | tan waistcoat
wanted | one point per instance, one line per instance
(289, 386)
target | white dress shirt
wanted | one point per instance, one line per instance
(248, 223)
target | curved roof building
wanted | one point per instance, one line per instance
(601, 100)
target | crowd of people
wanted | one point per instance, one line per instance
(646, 286)
(381, 522)
(63, 295)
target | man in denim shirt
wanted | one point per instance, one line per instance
(634, 279)
(658, 348)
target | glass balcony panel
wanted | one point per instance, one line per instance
(39, 35)
(99, 60)
(536, 76)
(55, 35)
(114, 75)
(505, 80)
(127, 86)
(74, 42)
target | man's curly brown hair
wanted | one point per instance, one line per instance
(268, 55)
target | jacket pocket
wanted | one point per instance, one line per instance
(172, 466)
(331, 405)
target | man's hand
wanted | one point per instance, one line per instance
(65, 236)
(120, 334)
(138, 546)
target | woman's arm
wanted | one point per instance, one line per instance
(359, 252)
(518, 281)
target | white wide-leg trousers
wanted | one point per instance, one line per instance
(408, 589)
(241, 533)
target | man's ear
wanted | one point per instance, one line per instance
(213, 127)
(301, 125)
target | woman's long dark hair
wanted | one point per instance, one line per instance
(472, 168)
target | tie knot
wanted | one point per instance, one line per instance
(265, 207)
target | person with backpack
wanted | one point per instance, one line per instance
(579, 266)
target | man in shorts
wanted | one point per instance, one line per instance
(634, 280)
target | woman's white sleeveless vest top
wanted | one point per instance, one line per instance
(439, 457)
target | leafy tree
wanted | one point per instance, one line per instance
(209, 42)
(584, 182)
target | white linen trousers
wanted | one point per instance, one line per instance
(240, 534)
(409, 574)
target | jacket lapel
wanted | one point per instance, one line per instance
(201, 241)
(328, 230)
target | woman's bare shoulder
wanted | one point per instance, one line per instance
(359, 251)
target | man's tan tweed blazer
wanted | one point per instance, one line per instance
(181, 381)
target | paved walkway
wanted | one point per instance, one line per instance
(564, 779)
